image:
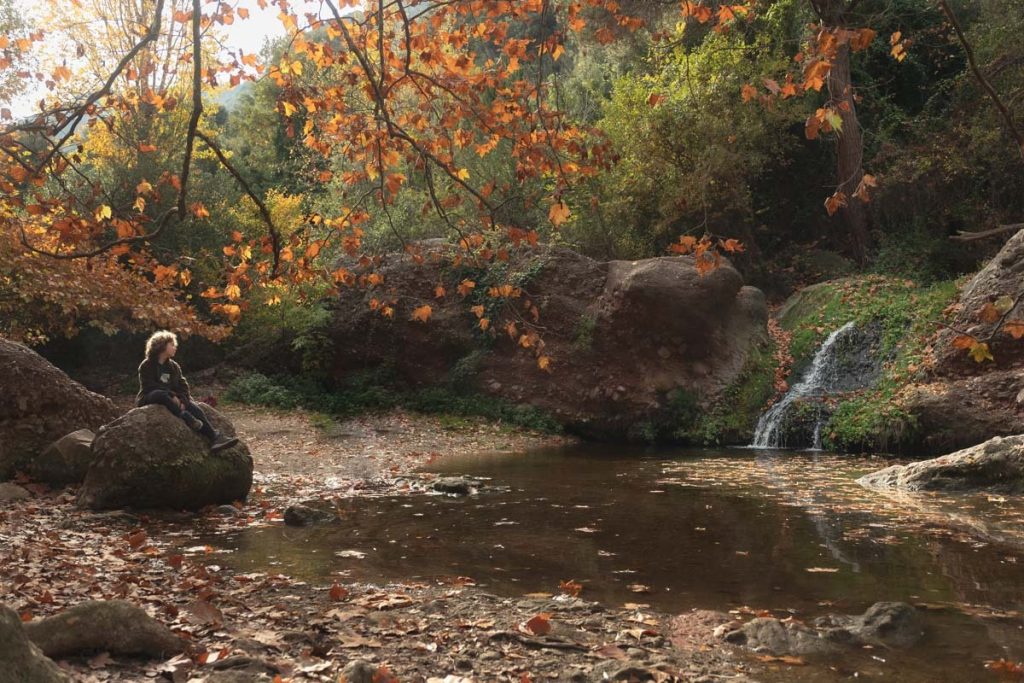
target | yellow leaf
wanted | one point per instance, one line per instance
(559, 213)
(144, 187)
(104, 212)
(185, 276)
(139, 205)
(233, 291)
(484, 323)
(289, 108)
(544, 363)
(422, 313)
(980, 353)
(478, 311)
(463, 174)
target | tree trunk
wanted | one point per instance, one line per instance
(850, 140)
(850, 156)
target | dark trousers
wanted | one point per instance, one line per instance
(164, 398)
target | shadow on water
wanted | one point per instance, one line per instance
(678, 530)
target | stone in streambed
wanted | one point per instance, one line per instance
(889, 624)
(110, 626)
(10, 493)
(308, 515)
(456, 486)
(996, 465)
(23, 662)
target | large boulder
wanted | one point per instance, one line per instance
(148, 458)
(629, 341)
(20, 660)
(38, 405)
(1002, 276)
(996, 465)
(65, 461)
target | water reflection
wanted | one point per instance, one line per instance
(701, 529)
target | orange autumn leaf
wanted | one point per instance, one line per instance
(559, 213)
(1015, 328)
(422, 313)
(538, 625)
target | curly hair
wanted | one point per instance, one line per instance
(158, 341)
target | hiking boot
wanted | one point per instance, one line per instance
(192, 421)
(220, 442)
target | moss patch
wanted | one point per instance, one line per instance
(870, 419)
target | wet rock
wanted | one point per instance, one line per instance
(890, 624)
(111, 626)
(456, 486)
(769, 635)
(149, 458)
(65, 461)
(227, 510)
(358, 671)
(22, 661)
(39, 404)
(10, 493)
(307, 515)
(996, 465)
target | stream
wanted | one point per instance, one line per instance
(680, 529)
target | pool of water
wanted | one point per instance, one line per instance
(729, 529)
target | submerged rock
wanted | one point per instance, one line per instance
(22, 661)
(889, 624)
(148, 458)
(996, 465)
(39, 404)
(308, 515)
(456, 486)
(65, 461)
(110, 626)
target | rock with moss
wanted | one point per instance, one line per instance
(996, 466)
(38, 405)
(148, 458)
(112, 626)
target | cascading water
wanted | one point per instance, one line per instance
(817, 381)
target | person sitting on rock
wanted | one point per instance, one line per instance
(161, 383)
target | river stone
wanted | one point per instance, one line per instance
(457, 486)
(38, 405)
(890, 624)
(358, 671)
(996, 465)
(20, 660)
(112, 626)
(148, 458)
(308, 515)
(10, 493)
(65, 461)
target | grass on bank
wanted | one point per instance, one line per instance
(373, 391)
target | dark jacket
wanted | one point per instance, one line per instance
(153, 376)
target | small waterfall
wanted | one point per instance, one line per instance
(815, 382)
